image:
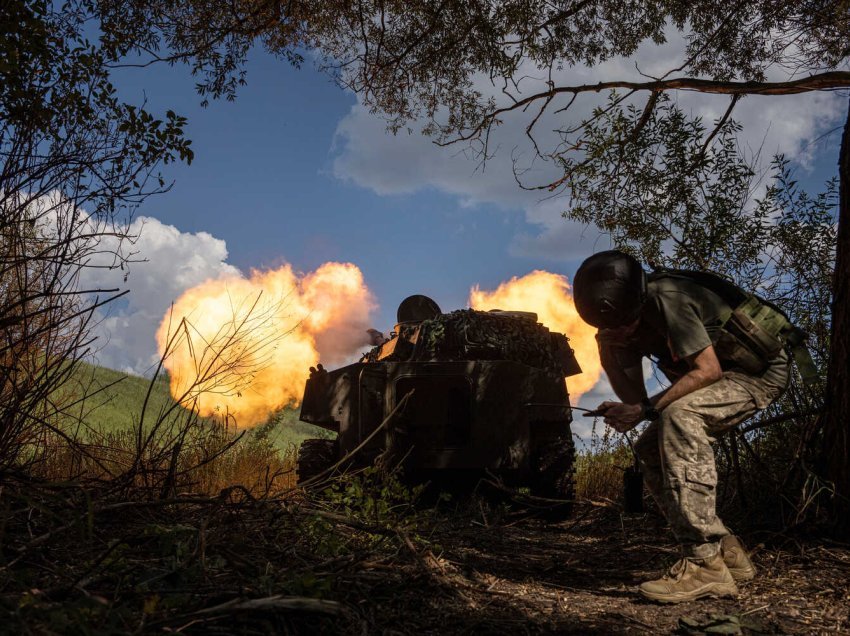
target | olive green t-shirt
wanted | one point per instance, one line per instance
(681, 318)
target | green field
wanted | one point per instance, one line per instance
(114, 402)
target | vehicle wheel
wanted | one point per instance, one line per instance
(316, 456)
(555, 477)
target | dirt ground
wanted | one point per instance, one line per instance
(240, 566)
(580, 577)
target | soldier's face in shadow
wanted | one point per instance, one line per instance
(619, 334)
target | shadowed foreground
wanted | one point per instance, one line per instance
(74, 562)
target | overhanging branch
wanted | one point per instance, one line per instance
(823, 81)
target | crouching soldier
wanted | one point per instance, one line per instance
(719, 378)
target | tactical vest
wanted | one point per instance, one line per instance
(754, 330)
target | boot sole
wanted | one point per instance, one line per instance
(713, 590)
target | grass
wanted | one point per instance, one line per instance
(114, 404)
(600, 465)
(125, 429)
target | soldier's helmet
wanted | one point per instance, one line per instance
(610, 289)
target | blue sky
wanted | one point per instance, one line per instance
(296, 171)
(263, 179)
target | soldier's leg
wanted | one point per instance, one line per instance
(687, 429)
(649, 454)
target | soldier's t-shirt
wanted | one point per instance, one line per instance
(681, 318)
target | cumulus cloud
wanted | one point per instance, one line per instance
(168, 262)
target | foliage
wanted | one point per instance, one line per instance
(212, 38)
(460, 67)
(374, 497)
(666, 194)
(147, 566)
(73, 157)
(148, 563)
(802, 250)
(600, 466)
(448, 63)
(677, 197)
(188, 456)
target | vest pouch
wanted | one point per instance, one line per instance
(730, 349)
(758, 327)
(751, 335)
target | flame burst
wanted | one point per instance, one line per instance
(548, 295)
(243, 346)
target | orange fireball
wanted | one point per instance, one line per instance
(243, 347)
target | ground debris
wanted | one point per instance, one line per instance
(722, 624)
(324, 565)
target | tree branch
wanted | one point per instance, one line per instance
(819, 82)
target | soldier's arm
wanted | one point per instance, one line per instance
(626, 379)
(704, 370)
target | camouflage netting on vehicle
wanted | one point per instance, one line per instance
(467, 334)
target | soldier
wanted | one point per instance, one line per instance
(679, 324)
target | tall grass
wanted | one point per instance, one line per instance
(207, 458)
(600, 464)
(97, 439)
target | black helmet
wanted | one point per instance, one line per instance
(609, 289)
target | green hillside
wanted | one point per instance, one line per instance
(113, 401)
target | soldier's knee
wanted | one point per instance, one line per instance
(682, 434)
(678, 420)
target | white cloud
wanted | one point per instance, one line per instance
(556, 238)
(162, 263)
(173, 262)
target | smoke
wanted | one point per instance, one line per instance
(242, 347)
(340, 309)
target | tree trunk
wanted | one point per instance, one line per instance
(837, 413)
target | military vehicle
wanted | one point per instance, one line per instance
(488, 396)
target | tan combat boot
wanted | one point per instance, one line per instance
(736, 559)
(691, 579)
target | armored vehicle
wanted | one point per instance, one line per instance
(488, 394)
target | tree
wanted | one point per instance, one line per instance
(677, 201)
(73, 160)
(460, 68)
(836, 427)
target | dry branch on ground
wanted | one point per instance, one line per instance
(309, 564)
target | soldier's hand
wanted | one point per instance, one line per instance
(621, 417)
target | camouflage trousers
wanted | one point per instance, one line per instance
(678, 461)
